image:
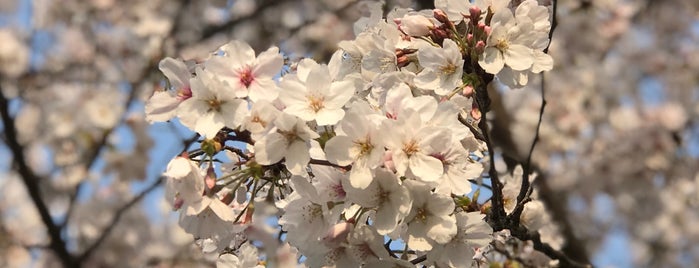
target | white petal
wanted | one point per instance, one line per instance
(161, 106)
(270, 149)
(442, 229)
(519, 57)
(297, 157)
(491, 60)
(175, 71)
(337, 150)
(426, 167)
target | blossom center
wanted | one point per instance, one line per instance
(312, 211)
(421, 215)
(257, 119)
(502, 44)
(246, 77)
(448, 69)
(214, 104)
(316, 103)
(411, 147)
(364, 147)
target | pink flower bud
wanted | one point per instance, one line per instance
(403, 61)
(475, 14)
(467, 91)
(475, 111)
(177, 203)
(416, 25)
(388, 161)
(210, 179)
(480, 47)
(441, 16)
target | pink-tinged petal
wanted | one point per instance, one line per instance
(492, 60)
(426, 167)
(161, 107)
(519, 57)
(297, 157)
(175, 71)
(337, 150)
(240, 52)
(268, 63)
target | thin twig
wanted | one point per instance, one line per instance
(115, 219)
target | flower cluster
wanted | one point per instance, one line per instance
(345, 154)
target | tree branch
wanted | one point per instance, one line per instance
(117, 215)
(31, 181)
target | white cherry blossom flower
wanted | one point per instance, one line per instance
(162, 105)
(390, 199)
(472, 233)
(443, 68)
(316, 97)
(412, 144)
(358, 145)
(212, 106)
(509, 44)
(184, 182)
(429, 221)
(290, 141)
(247, 75)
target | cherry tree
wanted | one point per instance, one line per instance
(348, 133)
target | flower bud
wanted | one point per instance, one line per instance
(211, 146)
(467, 91)
(415, 25)
(210, 179)
(403, 61)
(475, 111)
(474, 14)
(441, 16)
(480, 47)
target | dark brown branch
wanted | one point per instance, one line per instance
(31, 181)
(498, 215)
(214, 30)
(565, 261)
(526, 188)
